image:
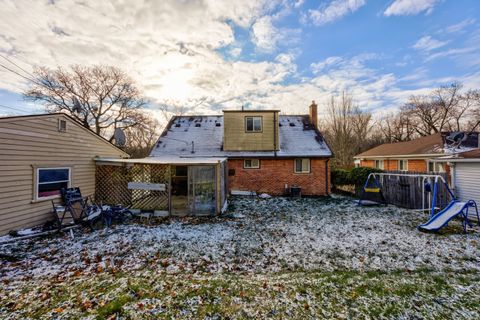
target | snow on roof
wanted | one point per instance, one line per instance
(204, 136)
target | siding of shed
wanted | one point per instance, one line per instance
(236, 139)
(28, 142)
(467, 177)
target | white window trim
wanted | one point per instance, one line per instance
(406, 165)
(302, 172)
(381, 164)
(37, 182)
(251, 167)
(253, 124)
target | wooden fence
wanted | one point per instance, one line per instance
(408, 191)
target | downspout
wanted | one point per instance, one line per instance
(326, 176)
(275, 134)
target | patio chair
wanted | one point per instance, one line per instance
(81, 209)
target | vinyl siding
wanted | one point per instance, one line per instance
(467, 178)
(30, 142)
(237, 139)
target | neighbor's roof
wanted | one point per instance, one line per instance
(468, 156)
(431, 145)
(297, 140)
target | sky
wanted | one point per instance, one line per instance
(209, 55)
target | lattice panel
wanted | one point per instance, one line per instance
(112, 186)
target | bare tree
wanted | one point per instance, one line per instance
(435, 113)
(396, 127)
(347, 129)
(142, 137)
(102, 98)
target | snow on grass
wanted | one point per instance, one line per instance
(269, 235)
(274, 257)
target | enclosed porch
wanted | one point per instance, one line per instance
(163, 186)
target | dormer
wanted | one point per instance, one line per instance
(251, 130)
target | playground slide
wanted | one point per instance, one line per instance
(439, 220)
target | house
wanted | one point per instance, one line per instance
(465, 174)
(199, 159)
(417, 155)
(39, 155)
(267, 152)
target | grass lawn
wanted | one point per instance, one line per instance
(273, 258)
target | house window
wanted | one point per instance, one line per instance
(379, 164)
(302, 165)
(435, 167)
(253, 124)
(62, 125)
(251, 163)
(403, 165)
(51, 180)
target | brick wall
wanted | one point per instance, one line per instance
(417, 165)
(275, 173)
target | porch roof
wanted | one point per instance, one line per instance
(175, 160)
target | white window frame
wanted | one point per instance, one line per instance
(405, 167)
(436, 167)
(253, 123)
(37, 182)
(302, 159)
(381, 164)
(251, 166)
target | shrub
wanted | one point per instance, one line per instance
(340, 177)
(359, 175)
(355, 176)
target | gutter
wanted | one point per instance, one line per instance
(414, 156)
(275, 134)
(326, 176)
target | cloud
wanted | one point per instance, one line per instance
(264, 34)
(454, 28)
(409, 7)
(427, 43)
(267, 38)
(335, 10)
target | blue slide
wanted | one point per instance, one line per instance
(454, 208)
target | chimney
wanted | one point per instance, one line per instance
(313, 112)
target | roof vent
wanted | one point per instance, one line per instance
(280, 124)
(198, 124)
(292, 124)
(218, 124)
(177, 125)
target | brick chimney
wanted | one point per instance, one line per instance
(313, 112)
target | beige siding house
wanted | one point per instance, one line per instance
(39, 154)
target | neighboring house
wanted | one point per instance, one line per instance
(266, 152)
(416, 155)
(465, 174)
(39, 155)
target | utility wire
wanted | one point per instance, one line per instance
(14, 109)
(16, 65)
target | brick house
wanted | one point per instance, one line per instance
(266, 152)
(416, 155)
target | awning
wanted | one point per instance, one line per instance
(163, 160)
